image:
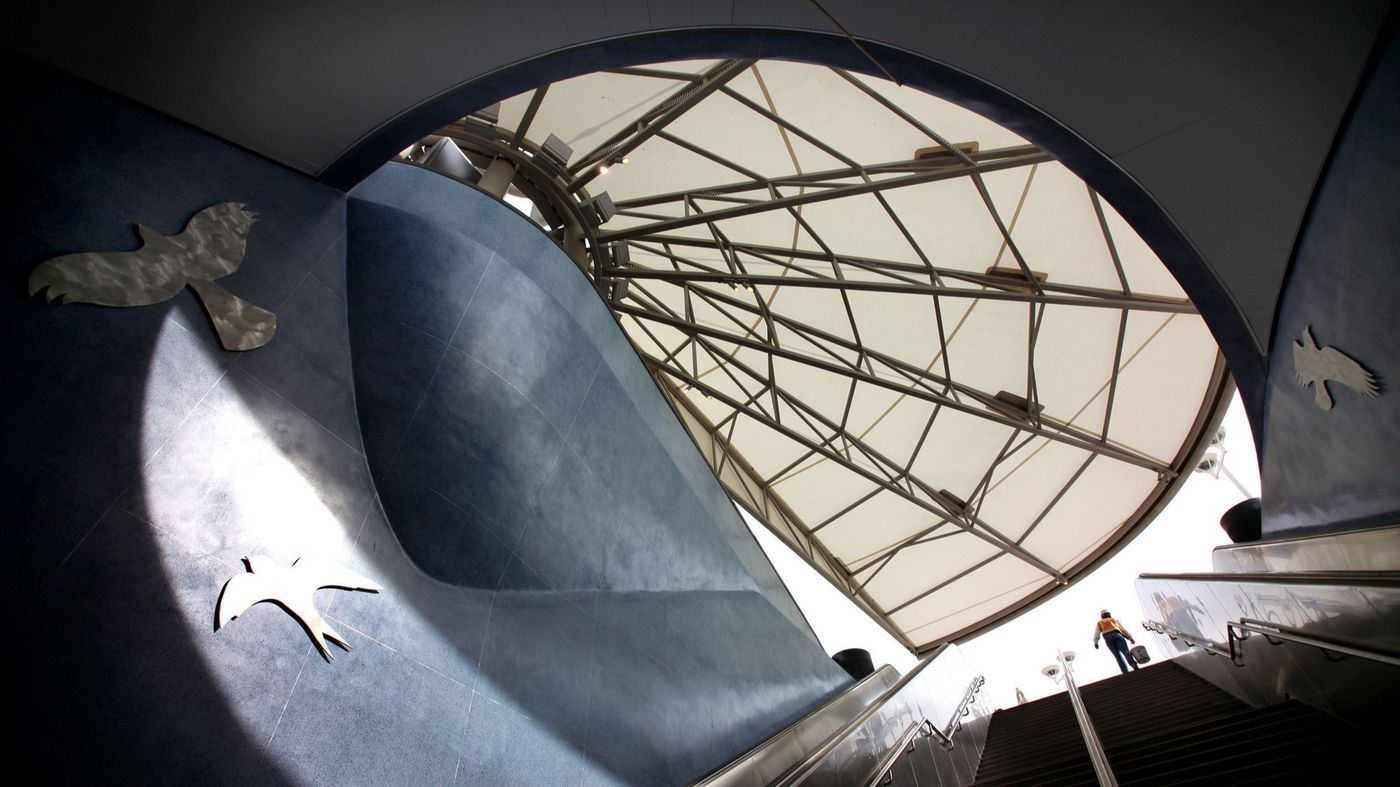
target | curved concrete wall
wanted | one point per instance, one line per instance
(521, 450)
(142, 463)
(1335, 469)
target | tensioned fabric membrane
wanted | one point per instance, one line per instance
(915, 346)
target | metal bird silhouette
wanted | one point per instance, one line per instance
(1316, 366)
(293, 590)
(211, 246)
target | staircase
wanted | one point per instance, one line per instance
(1163, 725)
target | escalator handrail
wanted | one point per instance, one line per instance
(799, 771)
(944, 735)
(748, 756)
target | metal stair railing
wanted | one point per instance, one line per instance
(1237, 631)
(1097, 756)
(871, 734)
(929, 730)
(775, 753)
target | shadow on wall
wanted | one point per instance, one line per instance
(115, 680)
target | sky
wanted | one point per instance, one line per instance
(1011, 656)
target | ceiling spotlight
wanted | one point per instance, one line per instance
(1211, 463)
(626, 160)
(598, 209)
(603, 169)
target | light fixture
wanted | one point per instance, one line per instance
(1015, 278)
(554, 155)
(598, 209)
(626, 160)
(621, 255)
(1211, 463)
(603, 169)
(1014, 407)
(958, 504)
(938, 151)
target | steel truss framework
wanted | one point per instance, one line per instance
(733, 355)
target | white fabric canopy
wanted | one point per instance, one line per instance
(858, 423)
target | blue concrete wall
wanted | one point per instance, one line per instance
(126, 432)
(521, 450)
(141, 462)
(1336, 469)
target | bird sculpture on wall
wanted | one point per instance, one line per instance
(211, 246)
(292, 589)
(1316, 366)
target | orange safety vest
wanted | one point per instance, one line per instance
(1109, 624)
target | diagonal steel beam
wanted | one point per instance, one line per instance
(655, 119)
(1108, 239)
(876, 264)
(982, 531)
(655, 73)
(825, 195)
(1050, 429)
(809, 549)
(940, 504)
(883, 555)
(536, 99)
(820, 281)
(945, 583)
(825, 178)
(883, 564)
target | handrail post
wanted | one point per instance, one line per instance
(1091, 736)
(944, 735)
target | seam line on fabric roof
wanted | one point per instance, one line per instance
(1092, 399)
(796, 225)
(943, 348)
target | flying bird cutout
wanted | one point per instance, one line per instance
(291, 589)
(212, 246)
(1316, 366)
